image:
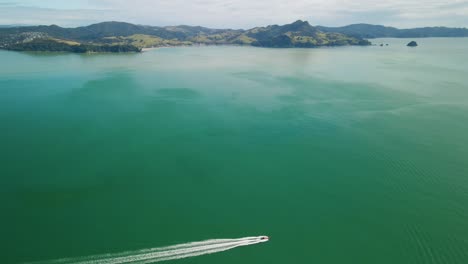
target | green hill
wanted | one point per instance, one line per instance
(299, 34)
(124, 37)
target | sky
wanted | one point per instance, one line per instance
(236, 13)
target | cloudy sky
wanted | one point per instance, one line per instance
(237, 13)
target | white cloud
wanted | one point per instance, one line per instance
(238, 13)
(46, 16)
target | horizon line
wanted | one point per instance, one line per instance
(138, 24)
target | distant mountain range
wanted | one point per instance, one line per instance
(375, 31)
(126, 37)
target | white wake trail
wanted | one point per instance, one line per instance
(193, 254)
(164, 254)
(152, 255)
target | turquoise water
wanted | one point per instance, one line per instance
(341, 155)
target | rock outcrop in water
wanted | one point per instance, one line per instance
(412, 44)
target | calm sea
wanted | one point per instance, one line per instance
(340, 155)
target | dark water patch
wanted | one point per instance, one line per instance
(110, 86)
(178, 93)
(114, 94)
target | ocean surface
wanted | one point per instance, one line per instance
(340, 155)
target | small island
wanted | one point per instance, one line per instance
(412, 44)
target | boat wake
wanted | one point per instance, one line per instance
(152, 255)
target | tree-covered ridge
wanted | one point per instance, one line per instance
(53, 45)
(125, 37)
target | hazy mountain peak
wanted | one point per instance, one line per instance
(300, 23)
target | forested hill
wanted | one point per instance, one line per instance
(124, 37)
(376, 31)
